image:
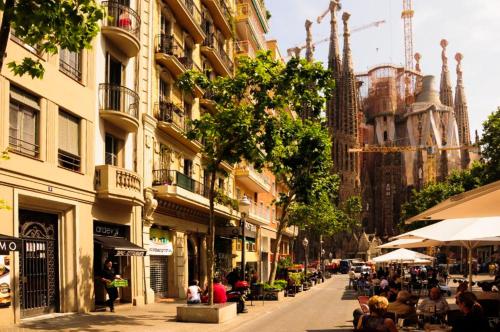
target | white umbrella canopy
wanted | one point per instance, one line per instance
(466, 232)
(402, 255)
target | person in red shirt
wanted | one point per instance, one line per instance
(219, 292)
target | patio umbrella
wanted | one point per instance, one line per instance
(402, 256)
(466, 232)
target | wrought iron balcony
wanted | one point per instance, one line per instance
(214, 51)
(122, 26)
(189, 16)
(221, 15)
(176, 178)
(119, 105)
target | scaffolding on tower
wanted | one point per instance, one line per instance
(407, 16)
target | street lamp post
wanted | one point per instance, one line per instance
(305, 243)
(321, 253)
(244, 207)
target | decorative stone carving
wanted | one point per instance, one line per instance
(150, 205)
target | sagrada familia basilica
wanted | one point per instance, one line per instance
(392, 131)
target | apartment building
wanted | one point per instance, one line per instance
(100, 166)
(48, 182)
(185, 35)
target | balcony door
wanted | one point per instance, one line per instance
(114, 77)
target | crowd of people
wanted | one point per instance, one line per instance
(384, 304)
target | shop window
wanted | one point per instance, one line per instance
(238, 245)
(70, 63)
(24, 123)
(69, 141)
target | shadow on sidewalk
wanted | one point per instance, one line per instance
(91, 323)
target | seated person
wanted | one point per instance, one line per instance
(376, 321)
(401, 307)
(434, 304)
(357, 313)
(219, 292)
(473, 318)
(194, 293)
(392, 293)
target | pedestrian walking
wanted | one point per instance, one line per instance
(107, 276)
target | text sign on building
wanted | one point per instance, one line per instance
(120, 252)
(108, 230)
(9, 245)
(160, 243)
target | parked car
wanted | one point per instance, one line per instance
(344, 266)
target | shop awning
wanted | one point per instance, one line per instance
(9, 243)
(120, 245)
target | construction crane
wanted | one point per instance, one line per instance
(407, 16)
(296, 50)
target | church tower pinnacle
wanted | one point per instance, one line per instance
(445, 92)
(461, 112)
(335, 66)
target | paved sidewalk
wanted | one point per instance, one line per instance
(152, 317)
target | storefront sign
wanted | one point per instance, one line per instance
(160, 243)
(9, 245)
(129, 253)
(109, 230)
(228, 231)
(5, 291)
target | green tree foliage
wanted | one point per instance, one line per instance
(300, 159)
(243, 127)
(490, 147)
(48, 25)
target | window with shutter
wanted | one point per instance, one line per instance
(69, 141)
(23, 123)
(70, 63)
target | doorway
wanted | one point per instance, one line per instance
(38, 270)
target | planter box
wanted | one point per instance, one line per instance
(202, 313)
(273, 295)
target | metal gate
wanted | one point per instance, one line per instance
(158, 271)
(39, 290)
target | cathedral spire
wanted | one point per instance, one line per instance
(309, 44)
(335, 66)
(445, 92)
(461, 109)
(334, 62)
(349, 85)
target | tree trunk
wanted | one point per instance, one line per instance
(5, 29)
(275, 248)
(211, 240)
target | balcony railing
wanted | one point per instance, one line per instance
(69, 161)
(24, 147)
(264, 178)
(119, 99)
(261, 211)
(167, 111)
(193, 10)
(212, 42)
(122, 16)
(169, 45)
(176, 178)
(244, 47)
(113, 182)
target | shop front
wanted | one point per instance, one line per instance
(251, 253)
(111, 241)
(159, 251)
(224, 236)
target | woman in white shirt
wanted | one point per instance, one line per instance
(194, 293)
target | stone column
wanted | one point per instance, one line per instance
(181, 264)
(150, 205)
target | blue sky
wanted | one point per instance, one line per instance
(472, 27)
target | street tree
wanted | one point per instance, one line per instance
(301, 161)
(490, 147)
(245, 106)
(47, 25)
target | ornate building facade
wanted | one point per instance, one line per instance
(392, 131)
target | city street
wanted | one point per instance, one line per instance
(325, 307)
